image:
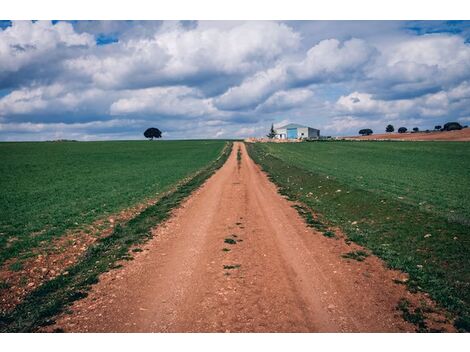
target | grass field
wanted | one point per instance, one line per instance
(407, 202)
(48, 188)
(40, 306)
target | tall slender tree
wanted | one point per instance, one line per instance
(272, 132)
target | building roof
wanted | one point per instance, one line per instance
(293, 125)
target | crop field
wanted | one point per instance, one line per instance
(49, 188)
(406, 201)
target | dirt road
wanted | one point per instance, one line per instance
(276, 274)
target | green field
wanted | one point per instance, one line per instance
(406, 201)
(48, 188)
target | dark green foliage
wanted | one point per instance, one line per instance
(16, 266)
(48, 188)
(356, 255)
(413, 316)
(230, 267)
(389, 128)
(366, 132)
(48, 300)
(152, 133)
(329, 234)
(402, 130)
(415, 129)
(272, 133)
(391, 195)
(437, 127)
(451, 126)
(229, 240)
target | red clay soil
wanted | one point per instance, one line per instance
(278, 276)
(455, 136)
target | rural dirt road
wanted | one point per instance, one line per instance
(278, 276)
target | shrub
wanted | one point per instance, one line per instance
(402, 130)
(366, 132)
(437, 127)
(415, 129)
(389, 128)
(451, 126)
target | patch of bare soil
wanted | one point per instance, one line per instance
(237, 257)
(455, 136)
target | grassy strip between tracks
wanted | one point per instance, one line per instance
(432, 249)
(41, 306)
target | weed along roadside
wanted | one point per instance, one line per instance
(431, 248)
(53, 297)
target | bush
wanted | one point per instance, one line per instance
(366, 132)
(451, 126)
(437, 127)
(415, 129)
(402, 130)
(389, 128)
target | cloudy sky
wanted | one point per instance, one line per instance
(91, 80)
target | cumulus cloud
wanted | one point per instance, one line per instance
(227, 79)
(332, 60)
(33, 48)
(420, 65)
(285, 100)
(176, 54)
(328, 61)
(168, 101)
(55, 99)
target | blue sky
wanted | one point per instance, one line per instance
(93, 80)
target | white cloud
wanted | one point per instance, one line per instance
(229, 78)
(52, 99)
(253, 90)
(331, 60)
(327, 61)
(182, 101)
(30, 43)
(174, 54)
(285, 100)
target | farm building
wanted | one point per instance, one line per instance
(296, 131)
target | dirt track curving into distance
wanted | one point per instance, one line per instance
(279, 275)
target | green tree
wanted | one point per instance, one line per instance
(152, 133)
(389, 128)
(272, 133)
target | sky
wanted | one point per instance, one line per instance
(102, 80)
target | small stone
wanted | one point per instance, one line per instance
(427, 235)
(331, 307)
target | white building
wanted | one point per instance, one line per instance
(296, 131)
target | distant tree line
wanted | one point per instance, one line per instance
(449, 126)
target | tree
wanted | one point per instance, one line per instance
(272, 133)
(152, 133)
(389, 128)
(437, 127)
(402, 130)
(415, 129)
(366, 132)
(450, 126)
